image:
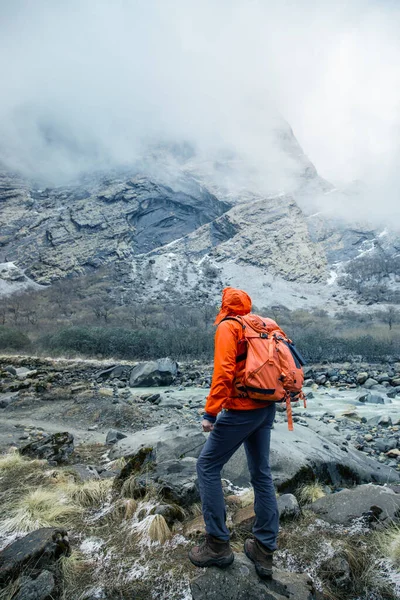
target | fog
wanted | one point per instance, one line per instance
(91, 84)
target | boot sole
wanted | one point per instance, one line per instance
(261, 571)
(221, 563)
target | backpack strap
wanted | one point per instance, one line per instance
(243, 355)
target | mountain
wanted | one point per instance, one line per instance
(187, 226)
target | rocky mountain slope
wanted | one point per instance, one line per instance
(188, 226)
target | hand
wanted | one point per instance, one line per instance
(207, 425)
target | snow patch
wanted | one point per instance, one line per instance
(91, 546)
(332, 278)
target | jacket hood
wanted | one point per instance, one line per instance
(234, 302)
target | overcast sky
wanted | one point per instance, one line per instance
(85, 81)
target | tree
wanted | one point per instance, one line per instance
(390, 316)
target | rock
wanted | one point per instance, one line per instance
(393, 392)
(194, 527)
(393, 453)
(116, 372)
(113, 436)
(396, 382)
(86, 472)
(39, 549)
(56, 448)
(336, 570)
(369, 383)
(244, 518)
(168, 442)
(371, 398)
(10, 369)
(5, 401)
(305, 454)
(362, 378)
(385, 421)
(368, 437)
(176, 480)
(159, 372)
(239, 581)
(78, 387)
(169, 512)
(169, 403)
(40, 588)
(364, 500)
(288, 507)
(321, 379)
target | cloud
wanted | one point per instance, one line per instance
(87, 82)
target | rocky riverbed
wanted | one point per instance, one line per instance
(79, 424)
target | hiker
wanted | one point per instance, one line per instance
(233, 419)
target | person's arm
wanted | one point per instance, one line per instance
(226, 338)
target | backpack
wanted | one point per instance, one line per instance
(273, 368)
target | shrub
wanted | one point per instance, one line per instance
(11, 339)
(131, 344)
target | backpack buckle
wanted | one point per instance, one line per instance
(264, 335)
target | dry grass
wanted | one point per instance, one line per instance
(388, 544)
(247, 499)
(10, 591)
(39, 508)
(76, 575)
(158, 529)
(116, 465)
(90, 494)
(133, 488)
(310, 492)
(14, 462)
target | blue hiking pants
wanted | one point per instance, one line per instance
(232, 429)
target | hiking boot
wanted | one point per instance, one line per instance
(260, 556)
(212, 553)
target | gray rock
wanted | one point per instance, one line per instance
(362, 377)
(393, 392)
(240, 582)
(373, 501)
(157, 372)
(10, 369)
(385, 421)
(168, 442)
(369, 383)
(369, 398)
(305, 454)
(114, 435)
(39, 548)
(56, 448)
(4, 402)
(176, 481)
(169, 402)
(288, 507)
(86, 472)
(40, 588)
(115, 372)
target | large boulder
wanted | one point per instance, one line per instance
(37, 550)
(155, 372)
(303, 454)
(371, 501)
(176, 481)
(42, 587)
(240, 581)
(168, 442)
(56, 448)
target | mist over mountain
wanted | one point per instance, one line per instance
(97, 86)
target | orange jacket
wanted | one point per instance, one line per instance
(227, 370)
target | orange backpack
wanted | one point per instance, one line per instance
(273, 369)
